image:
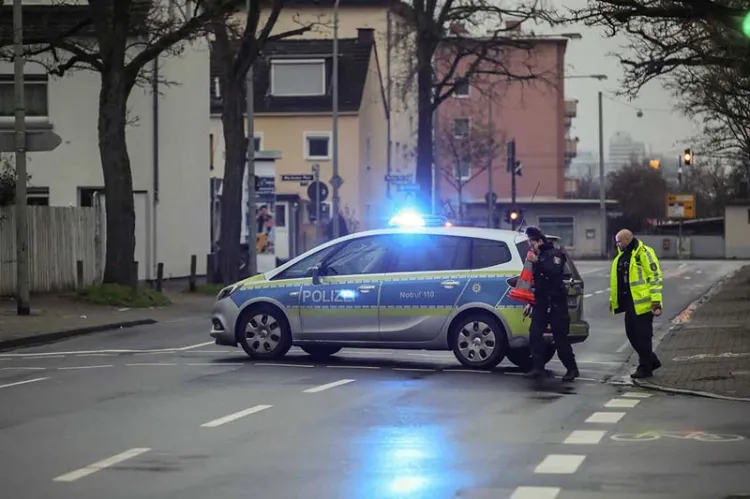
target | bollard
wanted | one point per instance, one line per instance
(159, 277)
(193, 265)
(79, 274)
(134, 283)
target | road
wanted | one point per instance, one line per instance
(159, 412)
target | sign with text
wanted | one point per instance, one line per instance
(399, 179)
(298, 177)
(680, 206)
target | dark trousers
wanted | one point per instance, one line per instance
(640, 332)
(555, 314)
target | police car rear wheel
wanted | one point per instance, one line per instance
(264, 333)
(479, 341)
(521, 357)
(320, 352)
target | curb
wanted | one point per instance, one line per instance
(685, 391)
(44, 338)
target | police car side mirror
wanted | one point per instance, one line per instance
(315, 275)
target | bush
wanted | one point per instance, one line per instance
(117, 295)
(209, 289)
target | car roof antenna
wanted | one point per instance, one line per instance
(520, 226)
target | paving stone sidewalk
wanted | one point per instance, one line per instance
(62, 315)
(708, 350)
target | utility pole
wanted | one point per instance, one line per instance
(602, 191)
(679, 223)
(335, 180)
(511, 148)
(252, 229)
(490, 189)
(22, 236)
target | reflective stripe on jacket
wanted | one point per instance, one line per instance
(645, 279)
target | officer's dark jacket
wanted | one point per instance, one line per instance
(549, 272)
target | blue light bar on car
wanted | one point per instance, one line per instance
(407, 218)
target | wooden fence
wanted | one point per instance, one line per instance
(58, 238)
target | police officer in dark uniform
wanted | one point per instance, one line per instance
(551, 305)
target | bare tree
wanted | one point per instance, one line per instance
(119, 39)
(641, 193)
(238, 41)
(465, 153)
(452, 42)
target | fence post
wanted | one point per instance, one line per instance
(134, 284)
(159, 277)
(79, 274)
(193, 265)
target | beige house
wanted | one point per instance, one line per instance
(737, 229)
(293, 116)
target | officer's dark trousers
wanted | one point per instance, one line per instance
(640, 332)
(556, 315)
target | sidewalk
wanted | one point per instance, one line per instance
(708, 350)
(58, 316)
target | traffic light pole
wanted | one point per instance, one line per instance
(513, 196)
(679, 224)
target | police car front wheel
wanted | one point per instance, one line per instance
(264, 333)
(478, 341)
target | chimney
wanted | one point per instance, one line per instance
(365, 35)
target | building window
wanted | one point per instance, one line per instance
(296, 78)
(560, 226)
(317, 145)
(461, 128)
(461, 89)
(280, 219)
(86, 195)
(37, 196)
(258, 142)
(462, 170)
(35, 93)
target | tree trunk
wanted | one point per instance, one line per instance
(118, 179)
(424, 124)
(232, 120)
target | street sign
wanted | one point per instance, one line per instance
(680, 206)
(407, 187)
(336, 181)
(312, 192)
(45, 140)
(298, 177)
(399, 179)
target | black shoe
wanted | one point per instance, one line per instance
(571, 374)
(656, 362)
(641, 373)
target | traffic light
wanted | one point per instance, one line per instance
(687, 157)
(655, 164)
(513, 215)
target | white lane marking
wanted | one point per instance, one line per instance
(687, 278)
(50, 357)
(23, 382)
(100, 465)
(151, 364)
(235, 416)
(622, 403)
(152, 353)
(82, 367)
(275, 364)
(354, 367)
(212, 351)
(623, 347)
(609, 289)
(560, 464)
(418, 369)
(23, 369)
(328, 386)
(535, 493)
(219, 364)
(682, 265)
(599, 292)
(588, 295)
(636, 395)
(95, 355)
(605, 417)
(191, 347)
(585, 437)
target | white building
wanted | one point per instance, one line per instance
(623, 149)
(167, 143)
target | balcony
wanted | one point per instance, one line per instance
(571, 108)
(571, 148)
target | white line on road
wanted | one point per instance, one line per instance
(191, 347)
(472, 371)
(585, 437)
(220, 364)
(82, 367)
(605, 417)
(535, 493)
(328, 386)
(354, 367)
(235, 416)
(23, 382)
(599, 292)
(95, 355)
(100, 465)
(50, 357)
(588, 295)
(636, 395)
(417, 369)
(623, 347)
(622, 403)
(560, 464)
(23, 369)
(275, 364)
(151, 364)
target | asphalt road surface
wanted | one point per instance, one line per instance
(160, 412)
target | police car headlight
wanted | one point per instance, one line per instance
(227, 291)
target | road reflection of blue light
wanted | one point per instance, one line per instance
(407, 462)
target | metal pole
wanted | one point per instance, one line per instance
(22, 242)
(679, 224)
(335, 91)
(316, 172)
(602, 190)
(388, 98)
(513, 195)
(490, 189)
(252, 232)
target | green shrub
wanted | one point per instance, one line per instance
(117, 295)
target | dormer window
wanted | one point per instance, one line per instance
(298, 77)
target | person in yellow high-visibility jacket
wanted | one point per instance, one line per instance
(636, 290)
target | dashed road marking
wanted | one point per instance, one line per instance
(585, 437)
(622, 403)
(599, 292)
(151, 364)
(418, 369)
(235, 416)
(23, 369)
(328, 386)
(605, 417)
(100, 465)
(23, 382)
(354, 367)
(560, 464)
(588, 295)
(636, 395)
(535, 493)
(218, 364)
(83, 367)
(275, 364)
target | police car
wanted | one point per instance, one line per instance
(419, 286)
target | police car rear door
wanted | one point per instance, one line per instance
(427, 273)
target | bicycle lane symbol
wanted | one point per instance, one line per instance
(699, 436)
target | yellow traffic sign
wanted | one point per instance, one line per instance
(680, 206)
